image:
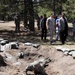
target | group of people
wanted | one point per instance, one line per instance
(58, 25)
(52, 24)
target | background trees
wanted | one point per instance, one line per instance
(30, 8)
(29, 14)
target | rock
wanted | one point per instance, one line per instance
(14, 45)
(2, 48)
(16, 64)
(36, 45)
(71, 52)
(35, 66)
(4, 45)
(38, 66)
(62, 49)
(21, 55)
(7, 46)
(6, 41)
(58, 48)
(65, 49)
(66, 53)
(28, 44)
(3, 42)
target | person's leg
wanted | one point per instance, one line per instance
(65, 35)
(42, 34)
(74, 35)
(51, 36)
(45, 34)
(56, 36)
(61, 37)
(16, 27)
(38, 27)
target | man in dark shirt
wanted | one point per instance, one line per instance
(43, 28)
(64, 28)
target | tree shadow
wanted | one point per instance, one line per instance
(28, 36)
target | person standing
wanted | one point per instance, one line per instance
(17, 23)
(66, 26)
(63, 28)
(38, 22)
(43, 28)
(50, 23)
(57, 27)
(41, 17)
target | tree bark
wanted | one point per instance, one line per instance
(29, 14)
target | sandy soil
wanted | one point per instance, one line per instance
(59, 65)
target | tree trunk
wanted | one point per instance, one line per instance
(25, 13)
(29, 14)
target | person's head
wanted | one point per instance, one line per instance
(44, 15)
(63, 14)
(52, 15)
(41, 16)
(59, 16)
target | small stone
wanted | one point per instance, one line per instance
(28, 44)
(66, 53)
(36, 45)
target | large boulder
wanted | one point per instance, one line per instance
(4, 45)
(38, 67)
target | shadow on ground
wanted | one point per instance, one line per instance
(33, 37)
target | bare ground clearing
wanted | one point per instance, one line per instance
(60, 64)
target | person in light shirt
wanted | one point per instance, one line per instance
(50, 23)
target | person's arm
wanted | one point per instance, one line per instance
(47, 24)
(42, 23)
(56, 24)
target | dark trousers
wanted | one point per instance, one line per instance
(73, 33)
(17, 28)
(66, 34)
(62, 37)
(43, 33)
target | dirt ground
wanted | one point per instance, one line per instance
(59, 65)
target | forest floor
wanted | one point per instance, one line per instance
(59, 65)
